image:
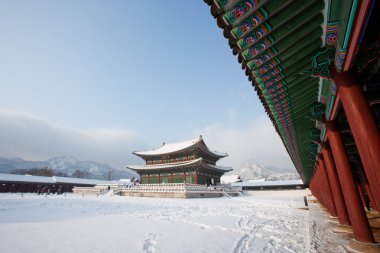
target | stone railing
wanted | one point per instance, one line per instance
(171, 187)
(156, 188)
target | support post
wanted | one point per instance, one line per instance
(335, 186)
(366, 186)
(356, 212)
(363, 126)
(328, 190)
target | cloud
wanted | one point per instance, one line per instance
(232, 115)
(29, 137)
(258, 141)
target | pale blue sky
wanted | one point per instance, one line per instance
(124, 75)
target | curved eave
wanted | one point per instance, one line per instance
(164, 166)
(216, 154)
(196, 162)
(219, 168)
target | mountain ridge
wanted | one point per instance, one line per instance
(66, 164)
(251, 170)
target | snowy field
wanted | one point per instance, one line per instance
(263, 222)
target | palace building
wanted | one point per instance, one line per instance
(182, 162)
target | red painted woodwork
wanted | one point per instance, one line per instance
(363, 127)
(356, 212)
(335, 186)
(335, 108)
(358, 27)
(366, 186)
(328, 190)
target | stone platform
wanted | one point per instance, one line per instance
(180, 190)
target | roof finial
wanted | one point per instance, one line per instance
(200, 136)
(163, 144)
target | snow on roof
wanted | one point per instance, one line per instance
(268, 183)
(26, 178)
(161, 166)
(169, 148)
(174, 147)
(51, 180)
(72, 180)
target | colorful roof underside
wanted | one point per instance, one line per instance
(275, 41)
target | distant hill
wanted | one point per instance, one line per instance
(67, 165)
(251, 170)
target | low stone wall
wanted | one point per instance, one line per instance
(204, 194)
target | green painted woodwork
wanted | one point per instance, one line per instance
(223, 3)
(251, 22)
(340, 11)
(178, 176)
(286, 46)
(312, 12)
(279, 44)
(241, 9)
(257, 18)
(178, 180)
(299, 46)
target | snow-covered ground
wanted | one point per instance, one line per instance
(262, 222)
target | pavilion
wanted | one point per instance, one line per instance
(315, 67)
(182, 162)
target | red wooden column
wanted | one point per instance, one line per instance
(196, 176)
(363, 127)
(358, 218)
(335, 186)
(366, 186)
(319, 187)
(370, 196)
(315, 184)
(328, 191)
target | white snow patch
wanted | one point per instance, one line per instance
(271, 223)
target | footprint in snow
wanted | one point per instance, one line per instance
(150, 244)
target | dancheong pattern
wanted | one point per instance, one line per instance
(239, 10)
(258, 48)
(268, 66)
(340, 56)
(250, 23)
(270, 53)
(269, 76)
(272, 73)
(331, 33)
(254, 36)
